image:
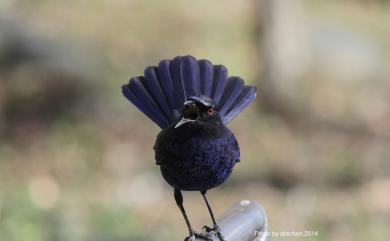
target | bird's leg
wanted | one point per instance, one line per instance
(179, 202)
(193, 234)
(215, 227)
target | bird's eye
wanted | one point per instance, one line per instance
(210, 111)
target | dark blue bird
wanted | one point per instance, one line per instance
(192, 101)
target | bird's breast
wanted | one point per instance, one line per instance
(198, 162)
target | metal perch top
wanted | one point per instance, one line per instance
(244, 221)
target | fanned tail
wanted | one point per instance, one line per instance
(161, 93)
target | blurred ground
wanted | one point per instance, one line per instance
(76, 160)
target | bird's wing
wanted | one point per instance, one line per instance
(164, 149)
(160, 94)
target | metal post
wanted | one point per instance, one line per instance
(244, 221)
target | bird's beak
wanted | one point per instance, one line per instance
(182, 122)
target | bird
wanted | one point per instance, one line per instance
(192, 101)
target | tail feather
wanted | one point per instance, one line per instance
(162, 92)
(243, 100)
(165, 80)
(220, 77)
(138, 95)
(151, 82)
(177, 83)
(232, 90)
(190, 76)
(206, 77)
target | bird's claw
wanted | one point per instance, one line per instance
(216, 230)
(190, 238)
(207, 229)
(195, 235)
(203, 236)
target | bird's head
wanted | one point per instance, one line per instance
(199, 110)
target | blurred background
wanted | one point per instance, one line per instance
(76, 159)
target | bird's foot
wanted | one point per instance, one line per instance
(216, 230)
(196, 235)
(190, 238)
